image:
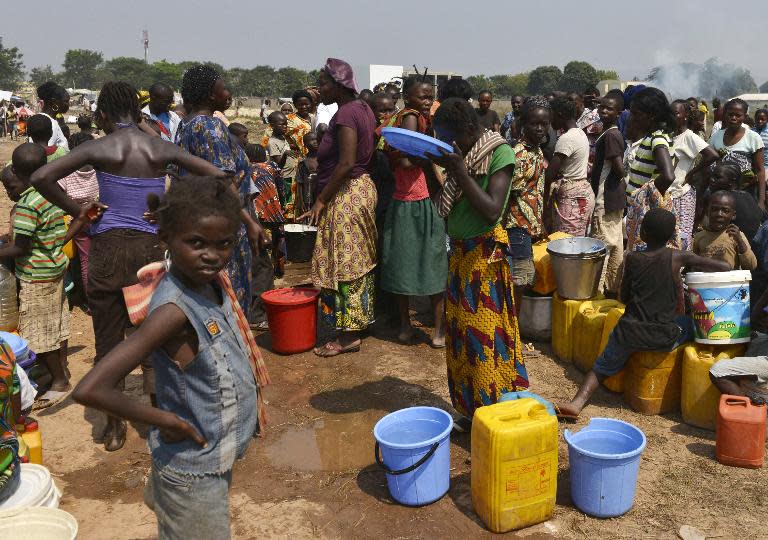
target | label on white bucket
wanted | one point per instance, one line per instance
(720, 312)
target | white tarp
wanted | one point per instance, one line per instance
(380, 73)
(5, 96)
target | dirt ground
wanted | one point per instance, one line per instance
(313, 474)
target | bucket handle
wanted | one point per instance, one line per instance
(413, 467)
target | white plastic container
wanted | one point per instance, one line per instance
(720, 306)
(535, 317)
(35, 489)
(30, 523)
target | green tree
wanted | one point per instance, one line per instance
(544, 79)
(506, 86)
(11, 67)
(81, 68)
(39, 75)
(577, 75)
(167, 72)
(607, 75)
(764, 87)
(263, 80)
(129, 69)
(479, 83)
(237, 80)
(290, 79)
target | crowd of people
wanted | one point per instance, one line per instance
(179, 195)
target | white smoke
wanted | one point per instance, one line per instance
(680, 79)
(674, 79)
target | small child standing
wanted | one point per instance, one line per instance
(40, 130)
(609, 188)
(305, 176)
(722, 240)
(269, 210)
(279, 151)
(83, 188)
(39, 234)
(240, 132)
(206, 364)
(650, 285)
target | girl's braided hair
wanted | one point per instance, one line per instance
(119, 99)
(191, 198)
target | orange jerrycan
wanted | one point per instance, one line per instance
(740, 433)
(514, 464)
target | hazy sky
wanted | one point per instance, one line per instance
(469, 37)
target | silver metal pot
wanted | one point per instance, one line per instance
(578, 264)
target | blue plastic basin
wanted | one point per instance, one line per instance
(413, 142)
(604, 459)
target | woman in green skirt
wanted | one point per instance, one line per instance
(413, 259)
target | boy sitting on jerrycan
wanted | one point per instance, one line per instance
(649, 287)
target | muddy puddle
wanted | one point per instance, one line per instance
(336, 442)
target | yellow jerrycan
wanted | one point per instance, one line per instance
(587, 331)
(653, 382)
(700, 399)
(514, 464)
(564, 314)
(545, 276)
(614, 383)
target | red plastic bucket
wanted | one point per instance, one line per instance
(292, 316)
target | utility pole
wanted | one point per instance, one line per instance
(145, 41)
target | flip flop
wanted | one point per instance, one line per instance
(331, 349)
(50, 398)
(263, 326)
(439, 345)
(565, 417)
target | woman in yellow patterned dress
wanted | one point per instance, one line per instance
(483, 347)
(344, 211)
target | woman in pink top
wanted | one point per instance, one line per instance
(413, 258)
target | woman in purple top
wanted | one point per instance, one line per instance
(130, 165)
(344, 212)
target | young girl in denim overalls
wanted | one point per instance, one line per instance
(205, 363)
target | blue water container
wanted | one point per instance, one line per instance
(415, 453)
(604, 459)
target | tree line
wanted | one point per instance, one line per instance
(574, 77)
(84, 68)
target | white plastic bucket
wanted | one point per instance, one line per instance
(36, 488)
(31, 523)
(720, 306)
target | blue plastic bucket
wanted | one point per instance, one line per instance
(415, 453)
(604, 459)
